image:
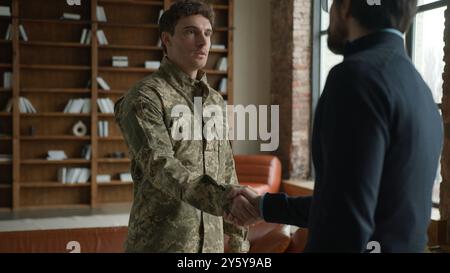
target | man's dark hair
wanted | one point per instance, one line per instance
(396, 14)
(181, 9)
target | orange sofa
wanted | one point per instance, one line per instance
(263, 173)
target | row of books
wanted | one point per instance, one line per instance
(103, 128)
(86, 36)
(106, 105)
(73, 175)
(7, 80)
(75, 106)
(106, 178)
(25, 106)
(5, 158)
(22, 32)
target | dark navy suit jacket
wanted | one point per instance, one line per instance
(376, 143)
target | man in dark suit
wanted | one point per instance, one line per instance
(376, 143)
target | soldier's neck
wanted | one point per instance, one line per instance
(191, 73)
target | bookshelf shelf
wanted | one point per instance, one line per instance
(52, 185)
(68, 138)
(55, 21)
(133, 2)
(115, 183)
(54, 162)
(54, 44)
(54, 67)
(57, 115)
(117, 25)
(113, 160)
(130, 47)
(56, 90)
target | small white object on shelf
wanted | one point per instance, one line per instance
(120, 61)
(8, 33)
(103, 128)
(103, 178)
(223, 85)
(71, 16)
(217, 46)
(101, 15)
(25, 106)
(56, 155)
(103, 83)
(161, 12)
(5, 158)
(7, 80)
(101, 37)
(152, 64)
(23, 33)
(126, 177)
(5, 11)
(222, 64)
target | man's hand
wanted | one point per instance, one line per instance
(245, 207)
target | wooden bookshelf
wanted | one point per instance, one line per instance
(53, 67)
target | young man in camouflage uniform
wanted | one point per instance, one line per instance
(181, 186)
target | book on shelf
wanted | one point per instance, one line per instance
(56, 155)
(76, 106)
(126, 177)
(218, 46)
(103, 128)
(86, 152)
(101, 15)
(152, 64)
(8, 35)
(161, 12)
(120, 61)
(73, 175)
(70, 16)
(5, 158)
(85, 36)
(106, 105)
(5, 11)
(8, 107)
(7, 80)
(103, 83)
(103, 178)
(159, 43)
(25, 106)
(222, 64)
(101, 37)
(23, 33)
(223, 85)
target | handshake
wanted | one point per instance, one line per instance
(245, 207)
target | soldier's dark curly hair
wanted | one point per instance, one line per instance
(181, 9)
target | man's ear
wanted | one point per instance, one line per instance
(344, 9)
(166, 39)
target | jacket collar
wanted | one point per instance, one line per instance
(377, 39)
(178, 78)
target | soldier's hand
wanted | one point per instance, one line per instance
(245, 207)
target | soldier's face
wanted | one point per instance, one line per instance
(190, 44)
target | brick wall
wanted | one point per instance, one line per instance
(291, 82)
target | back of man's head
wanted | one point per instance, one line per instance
(376, 15)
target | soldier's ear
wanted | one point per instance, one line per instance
(166, 38)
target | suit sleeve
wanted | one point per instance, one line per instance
(151, 147)
(280, 208)
(354, 136)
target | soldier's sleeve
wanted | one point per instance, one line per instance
(238, 241)
(150, 145)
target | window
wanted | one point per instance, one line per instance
(425, 43)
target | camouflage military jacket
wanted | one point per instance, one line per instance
(180, 186)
